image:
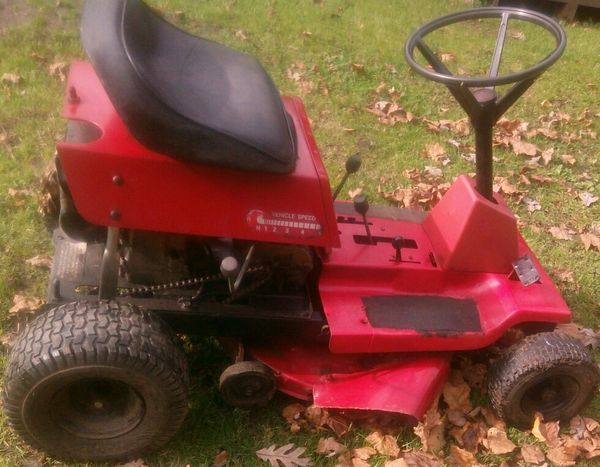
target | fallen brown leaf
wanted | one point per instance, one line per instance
(560, 457)
(568, 159)
(11, 78)
(522, 147)
(461, 457)
(587, 198)
(24, 304)
(58, 69)
(364, 453)
(421, 459)
(447, 56)
(547, 155)
(221, 459)
(497, 442)
(287, 455)
(532, 454)
(431, 431)
(590, 240)
(383, 444)
(40, 261)
(330, 447)
(456, 394)
(241, 35)
(561, 233)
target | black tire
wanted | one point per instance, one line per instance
(247, 384)
(549, 373)
(96, 381)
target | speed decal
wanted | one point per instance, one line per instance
(286, 224)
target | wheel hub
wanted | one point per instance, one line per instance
(97, 408)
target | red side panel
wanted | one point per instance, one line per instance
(470, 233)
(355, 273)
(160, 193)
(399, 383)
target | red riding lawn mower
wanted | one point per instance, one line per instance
(348, 306)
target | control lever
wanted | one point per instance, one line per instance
(361, 206)
(230, 268)
(352, 166)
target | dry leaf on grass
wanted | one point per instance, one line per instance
(461, 457)
(421, 459)
(221, 459)
(456, 394)
(548, 133)
(396, 463)
(431, 431)
(241, 35)
(330, 447)
(532, 204)
(546, 432)
(447, 56)
(364, 453)
(435, 151)
(562, 232)
(561, 457)
(587, 198)
(522, 147)
(547, 155)
(532, 454)
(497, 442)
(11, 78)
(383, 444)
(286, 456)
(590, 240)
(390, 113)
(24, 304)
(358, 67)
(58, 69)
(40, 261)
(568, 159)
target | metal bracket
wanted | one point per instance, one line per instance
(109, 275)
(526, 270)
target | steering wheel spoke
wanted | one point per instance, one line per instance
(499, 48)
(432, 58)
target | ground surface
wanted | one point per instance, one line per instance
(343, 58)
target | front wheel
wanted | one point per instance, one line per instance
(548, 373)
(96, 381)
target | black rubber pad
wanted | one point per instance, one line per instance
(423, 313)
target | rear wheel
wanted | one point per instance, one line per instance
(96, 381)
(549, 373)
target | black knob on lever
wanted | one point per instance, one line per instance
(397, 245)
(361, 206)
(352, 165)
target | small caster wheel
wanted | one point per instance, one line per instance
(247, 384)
(549, 373)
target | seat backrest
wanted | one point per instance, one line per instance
(184, 96)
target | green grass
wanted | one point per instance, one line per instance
(328, 37)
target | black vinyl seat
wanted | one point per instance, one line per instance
(184, 96)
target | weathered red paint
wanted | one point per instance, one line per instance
(160, 193)
(402, 383)
(464, 249)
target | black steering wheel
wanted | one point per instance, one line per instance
(440, 72)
